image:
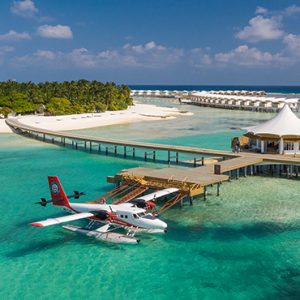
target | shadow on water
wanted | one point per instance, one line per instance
(227, 233)
(62, 241)
(289, 284)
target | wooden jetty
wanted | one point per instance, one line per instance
(191, 182)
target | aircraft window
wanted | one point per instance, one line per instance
(126, 217)
(135, 216)
(121, 216)
(149, 216)
(141, 214)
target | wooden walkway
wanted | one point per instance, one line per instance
(190, 181)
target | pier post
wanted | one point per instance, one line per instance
(84, 144)
(72, 143)
(99, 148)
(90, 146)
(76, 145)
(116, 150)
(154, 155)
(280, 170)
(202, 161)
(177, 159)
(133, 152)
(52, 140)
(191, 200)
(251, 170)
(195, 162)
(245, 172)
(229, 174)
(218, 189)
(145, 156)
(169, 156)
(106, 150)
(44, 137)
(237, 174)
(205, 194)
(125, 152)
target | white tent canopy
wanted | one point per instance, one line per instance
(284, 124)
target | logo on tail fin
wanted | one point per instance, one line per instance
(54, 188)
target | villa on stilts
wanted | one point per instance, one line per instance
(279, 135)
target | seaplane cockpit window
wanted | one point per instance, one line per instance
(126, 217)
(121, 216)
(135, 216)
(141, 214)
(149, 216)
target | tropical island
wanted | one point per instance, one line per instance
(62, 98)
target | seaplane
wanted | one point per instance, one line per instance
(133, 216)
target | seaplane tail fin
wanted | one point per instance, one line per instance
(58, 194)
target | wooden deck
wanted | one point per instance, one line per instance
(191, 180)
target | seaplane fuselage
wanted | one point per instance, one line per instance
(125, 214)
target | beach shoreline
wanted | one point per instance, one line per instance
(135, 113)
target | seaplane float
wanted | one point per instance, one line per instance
(133, 216)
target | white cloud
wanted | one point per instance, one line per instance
(148, 55)
(144, 48)
(199, 58)
(245, 56)
(293, 44)
(25, 8)
(261, 10)
(261, 28)
(55, 32)
(15, 36)
(4, 50)
(46, 54)
(292, 10)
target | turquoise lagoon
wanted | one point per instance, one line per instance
(242, 245)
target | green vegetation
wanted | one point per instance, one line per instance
(68, 97)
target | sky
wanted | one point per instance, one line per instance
(197, 42)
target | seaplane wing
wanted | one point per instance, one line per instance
(158, 194)
(54, 221)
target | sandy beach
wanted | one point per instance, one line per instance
(136, 113)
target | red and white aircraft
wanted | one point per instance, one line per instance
(131, 215)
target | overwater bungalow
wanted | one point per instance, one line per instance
(280, 134)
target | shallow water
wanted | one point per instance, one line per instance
(242, 245)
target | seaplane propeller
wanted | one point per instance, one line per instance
(43, 202)
(76, 195)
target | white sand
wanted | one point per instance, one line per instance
(135, 113)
